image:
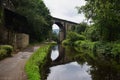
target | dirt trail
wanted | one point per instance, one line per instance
(13, 68)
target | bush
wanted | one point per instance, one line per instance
(103, 48)
(3, 53)
(66, 42)
(92, 33)
(116, 49)
(81, 27)
(5, 50)
(8, 48)
(84, 45)
(72, 36)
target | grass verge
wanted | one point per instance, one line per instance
(32, 67)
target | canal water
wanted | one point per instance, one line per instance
(67, 64)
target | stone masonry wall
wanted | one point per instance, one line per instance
(17, 40)
(22, 40)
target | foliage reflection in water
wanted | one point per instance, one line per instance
(70, 65)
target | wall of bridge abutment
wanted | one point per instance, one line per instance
(64, 27)
(62, 35)
(63, 31)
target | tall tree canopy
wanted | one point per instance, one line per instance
(37, 14)
(81, 27)
(106, 16)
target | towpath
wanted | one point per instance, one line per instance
(12, 68)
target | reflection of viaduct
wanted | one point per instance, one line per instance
(64, 26)
(61, 59)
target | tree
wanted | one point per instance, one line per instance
(92, 33)
(55, 36)
(37, 14)
(106, 16)
(81, 27)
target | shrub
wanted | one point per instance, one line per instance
(81, 27)
(102, 47)
(116, 49)
(84, 45)
(92, 33)
(5, 50)
(3, 53)
(72, 36)
(77, 43)
(8, 48)
(66, 42)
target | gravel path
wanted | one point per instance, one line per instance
(13, 68)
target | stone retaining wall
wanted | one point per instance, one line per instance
(17, 40)
(22, 40)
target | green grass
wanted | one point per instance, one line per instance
(32, 67)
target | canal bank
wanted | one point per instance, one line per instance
(36, 61)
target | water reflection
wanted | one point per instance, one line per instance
(70, 65)
(54, 53)
(70, 71)
(61, 56)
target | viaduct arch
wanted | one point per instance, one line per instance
(64, 26)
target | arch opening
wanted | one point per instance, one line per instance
(58, 32)
(55, 28)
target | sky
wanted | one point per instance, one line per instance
(70, 71)
(65, 9)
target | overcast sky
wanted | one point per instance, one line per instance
(65, 9)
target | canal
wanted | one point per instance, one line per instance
(67, 64)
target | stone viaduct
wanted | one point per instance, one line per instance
(64, 26)
(10, 16)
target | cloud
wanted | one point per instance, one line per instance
(65, 9)
(54, 26)
(70, 71)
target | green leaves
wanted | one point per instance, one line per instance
(35, 63)
(106, 15)
(81, 27)
(39, 21)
